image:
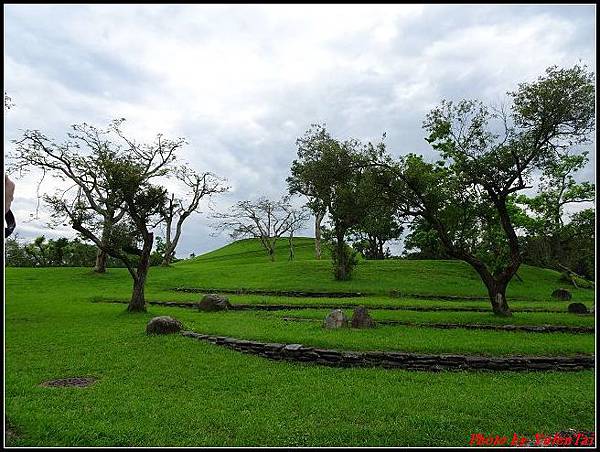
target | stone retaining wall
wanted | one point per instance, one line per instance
(280, 293)
(398, 294)
(296, 293)
(398, 360)
(289, 307)
(479, 326)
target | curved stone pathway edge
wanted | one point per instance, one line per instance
(398, 360)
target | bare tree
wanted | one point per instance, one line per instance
(264, 219)
(176, 210)
(298, 217)
(111, 181)
(68, 163)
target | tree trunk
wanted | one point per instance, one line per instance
(380, 249)
(340, 271)
(291, 242)
(318, 218)
(556, 250)
(168, 257)
(497, 293)
(171, 244)
(101, 258)
(372, 250)
(138, 301)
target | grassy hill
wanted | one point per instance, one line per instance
(250, 251)
(245, 265)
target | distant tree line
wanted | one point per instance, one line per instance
(64, 252)
(571, 247)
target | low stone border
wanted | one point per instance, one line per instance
(289, 307)
(478, 326)
(398, 294)
(398, 360)
(295, 293)
(280, 293)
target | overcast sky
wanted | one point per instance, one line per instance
(242, 82)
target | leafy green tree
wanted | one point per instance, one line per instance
(37, 251)
(15, 254)
(57, 250)
(469, 191)
(557, 189)
(332, 173)
(579, 240)
(422, 242)
(312, 172)
(378, 194)
(82, 254)
(158, 255)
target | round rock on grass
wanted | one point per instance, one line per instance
(362, 319)
(561, 294)
(577, 308)
(163, 325)
(335, 319)
(214, 302)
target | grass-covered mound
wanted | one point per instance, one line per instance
(243, 264)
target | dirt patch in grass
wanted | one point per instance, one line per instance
(10, 433)
(78, 382)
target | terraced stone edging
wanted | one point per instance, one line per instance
(280, 293)
(398, 360)
(294, 293)
(479, 326)
(398, 294)
(302, 294)
(289, 307)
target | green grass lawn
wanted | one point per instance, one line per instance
(173, 391)
(263, 328)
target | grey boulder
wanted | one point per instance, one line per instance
(163, 325)
(214, 302)
(335, 319)
(561, 294)
(577, 308)
(362, 319)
